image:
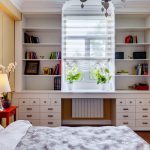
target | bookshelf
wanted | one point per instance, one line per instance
(135, 25)
(47, 28)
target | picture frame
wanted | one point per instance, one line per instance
(32, 68)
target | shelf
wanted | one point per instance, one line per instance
(132, 59)
(86, 58)
(32, 29)
(42, 75)
(132, 44)
(133, 29)
(41, 59)
(132, 75)
(42, 44)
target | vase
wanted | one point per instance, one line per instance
(6, 103)
(70, 86)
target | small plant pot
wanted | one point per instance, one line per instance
(6, 103)
(70, 86)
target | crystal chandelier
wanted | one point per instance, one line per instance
(105, 6)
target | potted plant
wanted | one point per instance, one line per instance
(6, 70)
(72, 74)
(101, 75)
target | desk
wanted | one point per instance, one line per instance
(6, 113)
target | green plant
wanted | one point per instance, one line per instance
(102, 75)
(73, 74)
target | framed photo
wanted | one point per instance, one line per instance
(32, 68)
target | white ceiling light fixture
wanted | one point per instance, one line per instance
(105, 6)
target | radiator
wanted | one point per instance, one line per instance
(87, 108)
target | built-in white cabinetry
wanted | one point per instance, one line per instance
(44, 111)
(134, 113)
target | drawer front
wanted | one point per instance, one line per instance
(45, 102)
(142, 102)
(50, 123)
(128, 109)
(144, 116)
(35, 122)
(29, 108)
(121, 102)
(143, 123)
(130, 123)
(55, 101)
(130, 101)
(47, 109)
(34, 102)
(142, 109)
(55, 116)
(125, 116)
(29, 116)
(24, 102)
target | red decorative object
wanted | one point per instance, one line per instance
(6, 113)
(141, 87)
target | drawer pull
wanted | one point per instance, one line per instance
(50, 123)
(130, 102)
(120, 102)
(45, 102)
(125, 123)
(125, 109)
(34, 102)
(145, 116)
(50, 116)
(29, 116)
(23, 102)
(55, 102)
(29, 108)
(125, 116)
(145, 123)
(140, 102)
(50, 108)
(145, 109)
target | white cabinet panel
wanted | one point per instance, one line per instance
(143, 123)
(50, 123)
(45, 102)
(130, 123)
(125, 116)
(121, 109)
(55, 101)
(29, 108)
(28, 116)
(144, 116)
(142, 109)
(56, 116)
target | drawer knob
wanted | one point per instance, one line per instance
(145, 109)
(50, 123)
(29, 116)
(50, 116)
(125, 116)
(45, 102)
(50, 108)
(34, 102)
(140, 102)
(144, 123)
(130, 102)
(125, 123)
(145, 116)
(29, 108)
(55, 102)
(120, 102)
(24, 102)
(125, 109)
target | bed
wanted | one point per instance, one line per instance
(21, 135)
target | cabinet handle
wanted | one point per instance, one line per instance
(23, 102)
(50, 116)
(145, 116)
(29, 116)
(145, 109)
(55, 102)
(125, 123)
(45, 102)
(130, 102)
(29, 108)
(50, 123)
(125, 116)
(140, 102)
(50, 108)
(34, 102)
(145, 123)
(125, 109)
(120, 102)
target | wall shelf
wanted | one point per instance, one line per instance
(41, 44)
(87, 58)
(41, 59)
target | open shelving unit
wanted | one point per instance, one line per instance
(135, 25)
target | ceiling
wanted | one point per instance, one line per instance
(28, 6)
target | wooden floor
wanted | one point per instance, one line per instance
(145, 136)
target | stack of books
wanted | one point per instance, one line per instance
(57, 83)
(30, 38)
(57, 70)
(142, 69)
(55, 55)
(30, 55)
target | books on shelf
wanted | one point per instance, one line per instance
(31, 39)
(141, 69)
(30, 55)
(57, 83)
(55, 55)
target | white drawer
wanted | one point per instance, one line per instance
(35, 122)
(50, 109)
(142, 109)
(56, 116)
(125, 109)
(143, 102)
(142, 123)
(29, 109)
(55, 101)
(45, 102)
(34, 102)
(130, 123)
(29, 116)
(121, 102)
(130, 101)
(144, 116)
(50, 123)
(24, 102)
(125, 116)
